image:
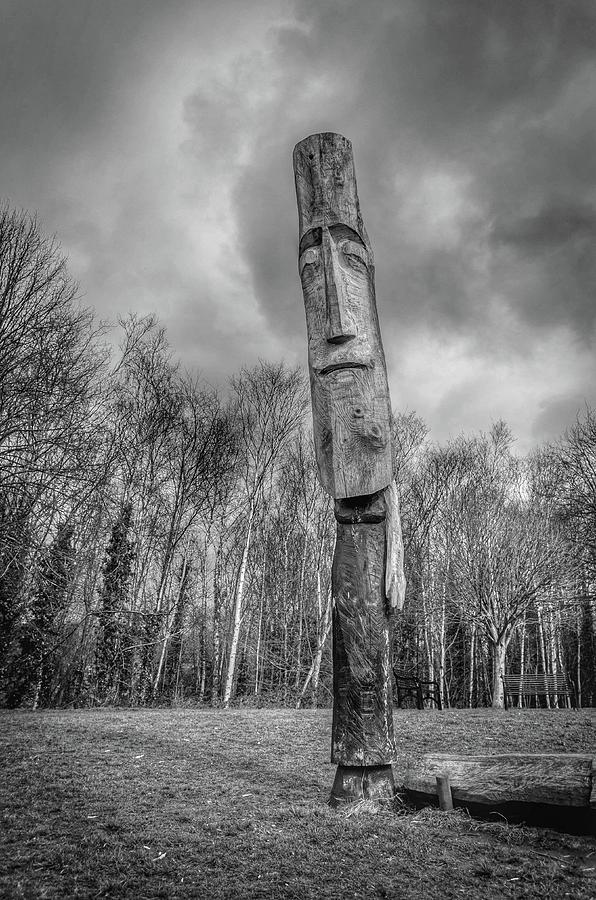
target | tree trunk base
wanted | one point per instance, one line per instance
(355, 783)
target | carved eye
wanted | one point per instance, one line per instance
(354, 254)
(309, 257)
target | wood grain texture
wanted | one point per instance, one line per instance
(352, 437)
(444, 793)
(556, 779)
(362, 731)
(348, 377)
(325, 179)
(356, 783)
(395, 579)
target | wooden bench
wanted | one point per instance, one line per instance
(546, 789)
(423, 693)
(541, 685)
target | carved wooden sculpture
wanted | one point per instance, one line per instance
(351, 419)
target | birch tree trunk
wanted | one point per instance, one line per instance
(216, 637)
(168, 628)
(238, 598)
(260, 629)
(300, 614)
(499, 648)
(427, 631)
(472, 665)
(315, 668)
(443, 687)
(319, 655)
(522, 654)
(579, 661)
(542, 648)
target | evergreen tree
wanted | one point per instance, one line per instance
(39, 636)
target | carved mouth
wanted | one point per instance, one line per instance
(334, 367)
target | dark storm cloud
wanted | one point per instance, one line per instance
(67, 75)
(475, 144)
(555, 246)
(62, 67)
(555, 224)
(156, 139)
(555, 410)
(452, 106)
(95, 97)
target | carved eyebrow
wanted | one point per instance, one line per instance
(344, 231)
(339, 231)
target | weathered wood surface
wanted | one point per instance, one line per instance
(354, 783)
(326, 189)
(362, 732)
(348, 378)
(554, 779)
(395, 579)
(352, 437)
(444, 793)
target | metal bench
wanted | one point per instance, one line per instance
(414, 692)
(541, 685)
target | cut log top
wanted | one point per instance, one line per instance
(555, 779)
(326, 184)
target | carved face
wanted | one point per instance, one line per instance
(350, 396)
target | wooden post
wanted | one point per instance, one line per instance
(444, 793)
(352, 436)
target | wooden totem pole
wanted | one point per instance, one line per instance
(351, 421)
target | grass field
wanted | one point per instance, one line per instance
(232, 804)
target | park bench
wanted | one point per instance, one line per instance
(410, 687)
(538, 685)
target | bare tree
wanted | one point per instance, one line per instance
(267, 407)
(575, 457)
(174, 447)
(508, 554)
(52, 414)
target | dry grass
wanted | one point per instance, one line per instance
(214, 804)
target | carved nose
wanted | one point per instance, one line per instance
(339, 327)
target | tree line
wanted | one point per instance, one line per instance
(161, 542)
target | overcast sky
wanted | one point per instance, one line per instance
(155, 140)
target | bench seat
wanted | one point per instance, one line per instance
(538, 685)
(425, 694)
